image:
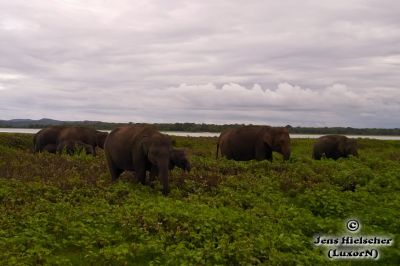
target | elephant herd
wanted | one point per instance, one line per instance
(57, 138)
(142, 148)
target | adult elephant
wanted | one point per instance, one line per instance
(254, 142)
(334, 146)
(139, 148)
(46, 139)
(72, 136)
(54, 138)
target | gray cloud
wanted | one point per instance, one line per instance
(330, 63)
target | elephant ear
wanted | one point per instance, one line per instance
(267, 138)
(343, 143)
(145, 145)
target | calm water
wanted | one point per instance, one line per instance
(205, 134)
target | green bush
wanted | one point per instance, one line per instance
(64, 210)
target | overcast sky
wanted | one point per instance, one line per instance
(307, 63)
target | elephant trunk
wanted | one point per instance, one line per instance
(188, 167)
(286, 154)
(163, 169)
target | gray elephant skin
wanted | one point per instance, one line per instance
(334, 147)
(139, 148)
(56, 138)
(254, 142)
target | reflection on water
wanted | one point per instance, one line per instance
(205, 134)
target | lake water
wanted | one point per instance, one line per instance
(206, 134)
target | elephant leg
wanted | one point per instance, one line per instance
(261, 151)
(69, 147)
(153, 175)
(115, 172)
(90, 150)
(141, 173)
(317, 156)
(51, 148)
(268, 155)
(93, 151)
(37, 147)
(165, 184)
(60, 148)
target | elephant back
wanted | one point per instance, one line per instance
(78, 134)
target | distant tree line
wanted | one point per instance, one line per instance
(345, 130)
(193, 127)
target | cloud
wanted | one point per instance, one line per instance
(207, 61)
(285, 104)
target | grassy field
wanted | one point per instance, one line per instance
(64, 210)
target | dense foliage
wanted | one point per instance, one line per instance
(193, 127)
(64, 210)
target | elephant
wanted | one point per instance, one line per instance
(139, 148)
(73, 146)
(334, 146)
(254, 142)
(88, 136)
(48, 139)
(179, 159)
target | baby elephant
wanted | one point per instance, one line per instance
(334, 146)
(179, 159)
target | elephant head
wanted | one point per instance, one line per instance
(179, 158)
(348, 146)
(101, 138)
(278, 140)
(157, 150)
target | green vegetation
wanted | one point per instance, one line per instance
(64, 210)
